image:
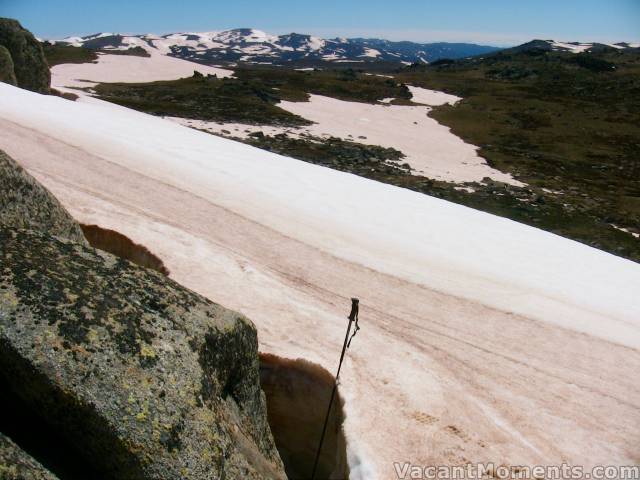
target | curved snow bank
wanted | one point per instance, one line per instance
(122, 246)
(430, 148)
(482, 339)
(128, 68)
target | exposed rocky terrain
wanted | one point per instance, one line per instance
(128, 373)
(29, 65)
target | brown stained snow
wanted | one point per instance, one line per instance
(431, 378)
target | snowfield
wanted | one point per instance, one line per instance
(429, 147)
(127, 68)
(483, 340)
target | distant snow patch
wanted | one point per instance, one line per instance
(572, 47)
(622, 229)
(370, 52)
(432, 97)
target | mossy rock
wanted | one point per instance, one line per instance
(30, 66)
(142, 377)
(16, 464)
(7, 73)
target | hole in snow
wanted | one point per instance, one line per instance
(298, 394)
(122, 246)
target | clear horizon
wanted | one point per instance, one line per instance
(497, 22)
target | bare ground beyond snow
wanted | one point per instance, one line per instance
(430, 148)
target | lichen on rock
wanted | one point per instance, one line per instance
(7, 72)
(16, 464)
(149, 379)
(138, 375)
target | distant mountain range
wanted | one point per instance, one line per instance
(246, 45)
(573, 47)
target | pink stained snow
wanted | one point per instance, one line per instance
(482, 339)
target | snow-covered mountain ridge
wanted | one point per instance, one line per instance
(255, 46)
(575, 47)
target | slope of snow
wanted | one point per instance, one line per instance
(482, 339)
(260, 36)
(332, 56)
(254, 36)
(130, 42)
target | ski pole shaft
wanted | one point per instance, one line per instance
(352, 317)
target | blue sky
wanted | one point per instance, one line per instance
(496, 22)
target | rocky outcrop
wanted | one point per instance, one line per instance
(111, 370)
(25, 203)
(7, 73)
(16, 464)
(30, 67)
(143, 377)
